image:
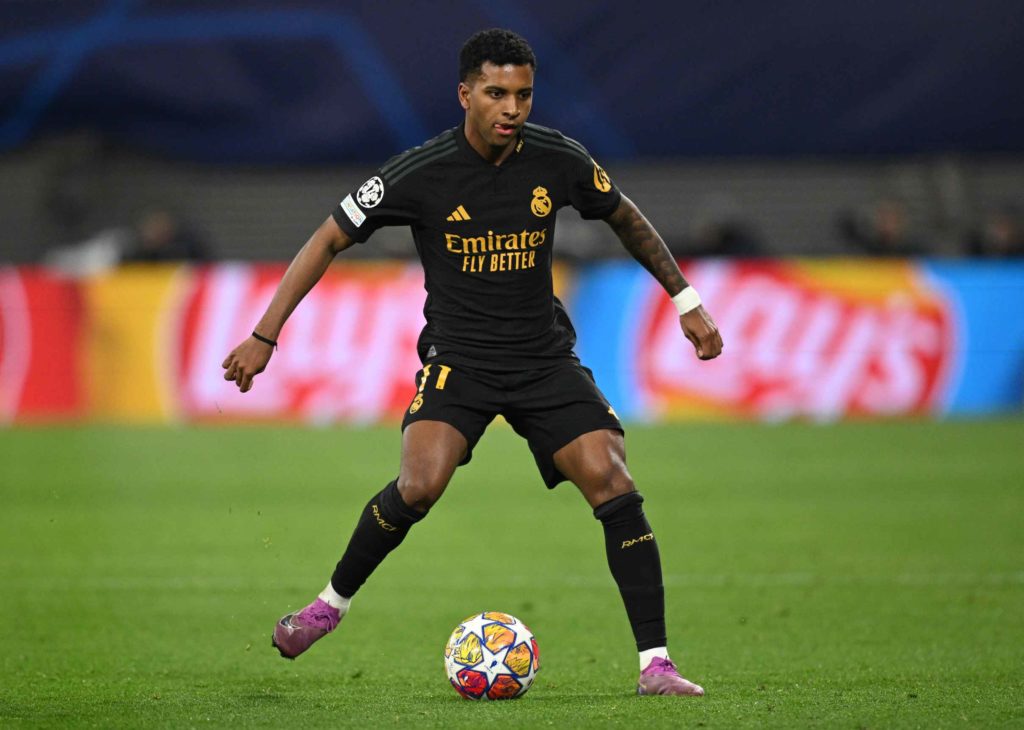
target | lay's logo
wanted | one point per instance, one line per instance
(803, 339)
(364, 325)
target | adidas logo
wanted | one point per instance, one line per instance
(459, 214)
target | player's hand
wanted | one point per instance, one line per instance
(246, 362)
(702, 332)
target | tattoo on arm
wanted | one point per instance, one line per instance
(646, 246)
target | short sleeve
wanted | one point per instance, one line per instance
(591, 191)
(375, 204)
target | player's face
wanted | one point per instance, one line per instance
(497, 101)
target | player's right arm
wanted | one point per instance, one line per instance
(250, 358)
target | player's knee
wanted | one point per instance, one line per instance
(609, 483)
(420, 492)
(620, 510)
(605, 483)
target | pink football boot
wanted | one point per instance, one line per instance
(296, 632)
(662, 678)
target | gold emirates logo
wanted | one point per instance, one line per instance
(541, 203)
(496, 252)
(601, 180)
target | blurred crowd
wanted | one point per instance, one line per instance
(101, 221)
(159, 234)
(885, 230)
(882, 229)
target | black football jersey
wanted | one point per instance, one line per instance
(485, 236)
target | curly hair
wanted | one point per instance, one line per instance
(497, 45)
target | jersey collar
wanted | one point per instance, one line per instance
(472, 154)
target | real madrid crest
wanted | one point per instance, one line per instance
(541, 203)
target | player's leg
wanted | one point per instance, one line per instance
(447, 416)
(431, 451)
(574, 434)
(596, 463)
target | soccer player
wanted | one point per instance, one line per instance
(481, 201)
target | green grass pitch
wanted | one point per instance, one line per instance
(856, 575)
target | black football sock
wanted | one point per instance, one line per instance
(636, 566)
(381, 528)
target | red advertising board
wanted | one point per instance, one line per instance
(41, 326)
(347, 353)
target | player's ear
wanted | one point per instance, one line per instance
(464, 94)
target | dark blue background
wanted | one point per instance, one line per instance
(327, 82)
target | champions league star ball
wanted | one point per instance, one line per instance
(491, 656)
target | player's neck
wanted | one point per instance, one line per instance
(491, 154)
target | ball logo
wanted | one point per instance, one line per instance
(371, 192)
(601, 180)
(541, 203)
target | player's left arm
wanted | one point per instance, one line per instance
(646, 246)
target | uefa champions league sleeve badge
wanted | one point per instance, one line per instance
(371, 192)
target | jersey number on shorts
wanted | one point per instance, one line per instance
(442, 378)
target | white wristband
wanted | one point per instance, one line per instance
(687, 300)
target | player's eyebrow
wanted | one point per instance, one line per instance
(495, 87)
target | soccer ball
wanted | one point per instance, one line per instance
(491, 656)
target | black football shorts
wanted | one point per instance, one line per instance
(549, 407)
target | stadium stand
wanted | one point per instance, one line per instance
(265, 214)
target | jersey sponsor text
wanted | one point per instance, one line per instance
(497, 252)
(495, 242)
